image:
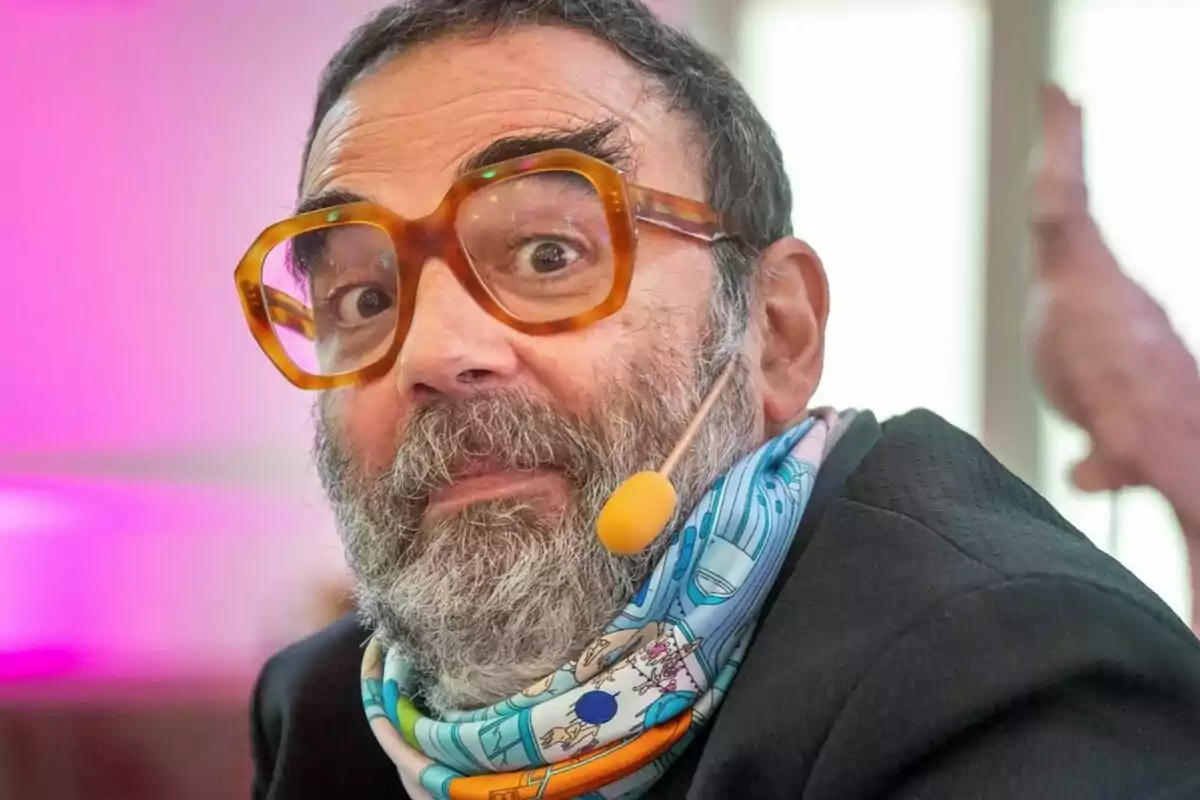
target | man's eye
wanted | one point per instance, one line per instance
(358, 305)
(544, 257)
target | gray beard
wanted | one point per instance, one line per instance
(490, 600)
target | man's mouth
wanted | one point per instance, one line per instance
(480, 483)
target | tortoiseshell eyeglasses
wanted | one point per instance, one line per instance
(545, 244)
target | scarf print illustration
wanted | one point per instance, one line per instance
(608, 724)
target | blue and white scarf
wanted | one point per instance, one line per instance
(609, 723)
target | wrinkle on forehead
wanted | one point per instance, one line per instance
(328, 143)
(415, 118)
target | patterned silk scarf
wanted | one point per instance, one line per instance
(609, 723)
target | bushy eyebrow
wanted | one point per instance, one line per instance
(605, 141)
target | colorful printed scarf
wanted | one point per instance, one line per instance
(608, 724)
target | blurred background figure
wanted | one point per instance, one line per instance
(1105, 351)
(160, 535)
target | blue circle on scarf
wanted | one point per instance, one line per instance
(596, 708)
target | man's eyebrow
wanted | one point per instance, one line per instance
(328, 199)
(606, 141)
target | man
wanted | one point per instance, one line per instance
(504, 285)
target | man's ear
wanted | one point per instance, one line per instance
(792, 308)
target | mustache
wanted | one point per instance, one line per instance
(499, 431)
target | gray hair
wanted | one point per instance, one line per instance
(744, 166)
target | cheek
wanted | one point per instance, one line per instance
(671, 271)
(367, 422)
(669, 298)
(656, 332)
(575, 369)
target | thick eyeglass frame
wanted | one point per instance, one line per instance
(415, 242)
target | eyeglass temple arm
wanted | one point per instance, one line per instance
(679, 214)
(290, 313)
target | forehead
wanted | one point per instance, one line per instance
(403, 130)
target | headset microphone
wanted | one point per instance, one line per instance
(641, 507)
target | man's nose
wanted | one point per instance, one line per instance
(453, 347)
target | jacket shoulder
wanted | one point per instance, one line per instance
(309, 732)
(944, 480)
(945, 633)
(291, 675)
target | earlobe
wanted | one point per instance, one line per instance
(793, 302)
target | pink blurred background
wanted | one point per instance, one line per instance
(161, 531)
(155, 494)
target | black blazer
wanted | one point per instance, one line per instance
(938, 632)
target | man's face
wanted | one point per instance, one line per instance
(467, 481)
